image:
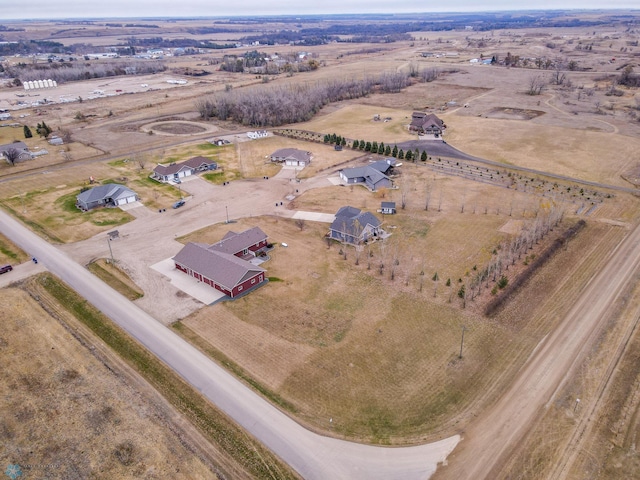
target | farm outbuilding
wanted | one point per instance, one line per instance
(226, 265)
(388, 208)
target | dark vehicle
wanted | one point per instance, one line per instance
(5, 269)
(178, 204)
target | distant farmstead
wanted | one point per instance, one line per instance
(292, 157)
(226, 265)
(426, 124)
(109, 195)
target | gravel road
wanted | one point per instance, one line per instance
(311, 455)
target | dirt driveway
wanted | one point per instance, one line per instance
(151, 237)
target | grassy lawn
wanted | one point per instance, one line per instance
(115, 278)
(9, 253)
(340, 340)
(52, 213)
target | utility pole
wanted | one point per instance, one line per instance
(227, 210)
(110, 251)
(462, 341)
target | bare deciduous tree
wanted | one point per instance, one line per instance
(300, 223)
(536, 85)
(12, 155)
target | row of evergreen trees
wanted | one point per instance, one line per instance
(379, 148)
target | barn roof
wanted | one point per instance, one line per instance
(225, 269)
(236, 242)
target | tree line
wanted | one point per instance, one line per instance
(275, 106)
(69, 72)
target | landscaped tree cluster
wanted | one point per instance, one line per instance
(274, 106)
(335, 139)
(43, 129)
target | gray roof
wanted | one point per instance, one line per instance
(20, 146)
(225, 269)
(171, 169)
(110, 190)
(292, 153)
(348, 212)
(197, 162)
(192, 164)
(370, 173)
(388, 204)
(233, 243)
(353, 221)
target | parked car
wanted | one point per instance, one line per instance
(5, 269)
(178, 204)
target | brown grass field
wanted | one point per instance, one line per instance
(66, 414)
(329, 338)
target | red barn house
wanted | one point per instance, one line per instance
(225, 265)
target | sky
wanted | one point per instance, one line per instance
(29, 9)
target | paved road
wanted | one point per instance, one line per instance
(438, 148)
(491, 440)
(311, 455)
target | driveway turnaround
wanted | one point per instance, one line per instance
(311, 455)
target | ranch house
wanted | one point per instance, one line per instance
(107, 195)
(292, 157)
(373, 176)
(176, 171)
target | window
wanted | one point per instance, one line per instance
(240, 288)
(253, 280)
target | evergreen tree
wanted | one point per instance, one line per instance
(374, 147)
(394, 152)
(423, 157)
(343, 142)
(401, 154)
(356, 144)
(367, 147)
(27, 132)
(416, 155)
(381, 148)
(387, 150)
(327, 138)
(362, 144)
(408, 156)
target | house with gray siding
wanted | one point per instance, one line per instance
(373, 176)
(354, 226)
(109, 195)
